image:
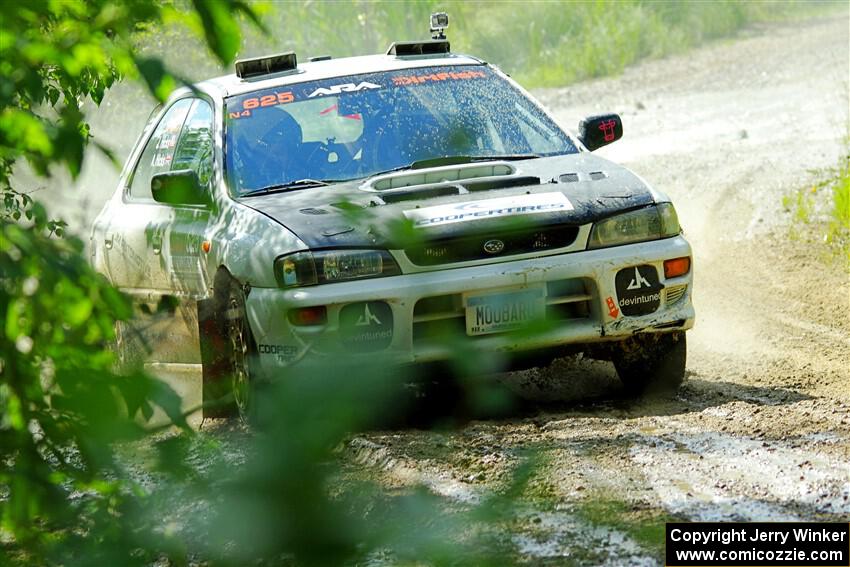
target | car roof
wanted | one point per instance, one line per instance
(229, 85)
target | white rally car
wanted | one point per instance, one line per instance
(398, 204)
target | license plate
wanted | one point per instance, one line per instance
(498, 312)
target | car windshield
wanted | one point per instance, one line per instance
(361, 125)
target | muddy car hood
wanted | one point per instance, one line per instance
(346, 215)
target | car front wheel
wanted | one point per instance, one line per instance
(240, 349)
(652, 364)
(228, 351)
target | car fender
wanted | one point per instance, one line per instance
(246, 243)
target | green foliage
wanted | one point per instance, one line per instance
(64, 498)
(61, 405)
(54, 55)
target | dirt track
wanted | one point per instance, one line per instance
(761, 430)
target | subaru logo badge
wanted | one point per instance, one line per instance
(494, 246)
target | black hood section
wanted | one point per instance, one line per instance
(344, 215)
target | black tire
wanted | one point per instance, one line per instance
(652, 364)
(442, 396)
(228, 351)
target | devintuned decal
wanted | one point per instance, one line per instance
(638, 290)
(490, 208)
(366, 326)
(613, 310)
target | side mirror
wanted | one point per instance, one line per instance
(600, 130)
(178, 188)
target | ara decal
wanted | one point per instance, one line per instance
(343, 88)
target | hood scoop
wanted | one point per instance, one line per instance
(439, 175)
(443, 190)
(445, 181)
(417, 194)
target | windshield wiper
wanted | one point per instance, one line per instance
(288, 186)
(454, 160)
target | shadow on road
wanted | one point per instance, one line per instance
(592, 392)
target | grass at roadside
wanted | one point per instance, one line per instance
(540, 43)
(821, 214)
(839, 224)
(552, 44)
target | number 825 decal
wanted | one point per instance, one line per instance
(260, 101)
(268, 100)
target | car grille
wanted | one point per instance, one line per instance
(441, 316)
(468, 248)
(568, 299)
(675, 293)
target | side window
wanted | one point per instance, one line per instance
(195, 146)
(159, 152)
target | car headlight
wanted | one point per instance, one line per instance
(328, 266)
(649, 223)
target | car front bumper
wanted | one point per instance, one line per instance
(428, 317)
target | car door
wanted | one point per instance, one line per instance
(185, 267)
(133, 237)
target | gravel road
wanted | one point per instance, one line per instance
(761, 429)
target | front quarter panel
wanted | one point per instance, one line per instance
(246, 243)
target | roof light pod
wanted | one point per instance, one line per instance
(415, 48)
(437, 45)
(266, 65)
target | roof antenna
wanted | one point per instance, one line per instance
(439, 23)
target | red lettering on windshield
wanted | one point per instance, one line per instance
(406, 80)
